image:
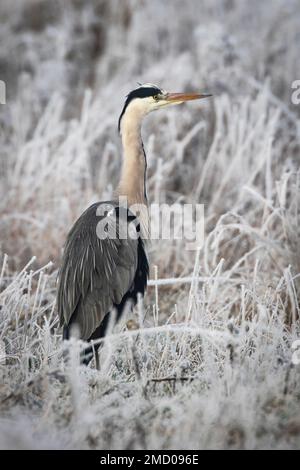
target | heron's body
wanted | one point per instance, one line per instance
(99, 276)
(102, 274)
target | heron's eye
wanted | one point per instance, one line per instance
(156, 97)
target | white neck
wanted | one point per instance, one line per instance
(133, 175)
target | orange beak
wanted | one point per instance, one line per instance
(181, 97)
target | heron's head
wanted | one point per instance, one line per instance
(149, 97)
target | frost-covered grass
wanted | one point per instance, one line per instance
(205, 360)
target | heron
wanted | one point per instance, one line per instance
(101, 276)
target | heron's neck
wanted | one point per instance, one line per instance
(133, 175)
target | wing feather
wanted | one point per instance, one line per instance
(95, 274)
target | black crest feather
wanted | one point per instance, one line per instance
(141, 92)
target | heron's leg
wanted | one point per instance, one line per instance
(66, 332)
(93, 350)
(90, 353)
(100, 331)
(97, 361)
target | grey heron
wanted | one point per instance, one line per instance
(101, 275)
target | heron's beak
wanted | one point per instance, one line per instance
(177, 98)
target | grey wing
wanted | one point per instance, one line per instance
(95, 274)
